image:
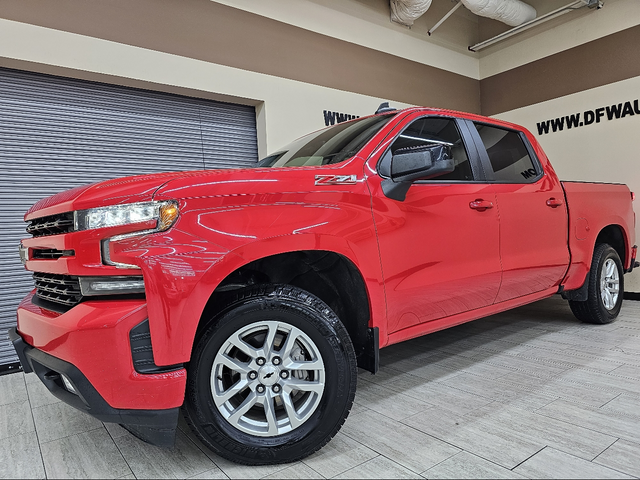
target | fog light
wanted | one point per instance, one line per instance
(111, 285)
(68, 385)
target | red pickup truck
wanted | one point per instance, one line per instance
(249, 297)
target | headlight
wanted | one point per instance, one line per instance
(165, 214)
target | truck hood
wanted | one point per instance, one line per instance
(177, 185)
(249, 181)
(139, 188)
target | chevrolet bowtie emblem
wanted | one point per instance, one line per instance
(336, 179)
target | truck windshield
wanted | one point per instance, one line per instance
(330, 145)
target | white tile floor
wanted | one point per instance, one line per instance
(530, 393)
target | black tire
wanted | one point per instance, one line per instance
(593, 310)
(302, 310)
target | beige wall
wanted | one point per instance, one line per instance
(608, 151)
(565, 32)
(367, 23)
(222, 35)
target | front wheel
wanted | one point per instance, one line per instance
(272, 378)
(605, 288)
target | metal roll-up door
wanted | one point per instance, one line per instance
(59, 133)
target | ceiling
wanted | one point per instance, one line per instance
(460, 30)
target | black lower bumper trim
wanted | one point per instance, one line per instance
(157, 427)
(20, 346)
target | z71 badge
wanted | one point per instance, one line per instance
(336, 180)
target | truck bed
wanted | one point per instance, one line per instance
(591, 207)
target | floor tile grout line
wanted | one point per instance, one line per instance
(441, 461)
(35, 429)
(561, 449)
(380, 454)
(119, 451)
(432, 436)
(614, 442)
(72, 434)
(610, 400)
(313, 469)
(584, 459)
(489, 460)
(616, 469)
(348, 470)
(588, 428)
(398, 463)
(358, 441)
(531, 456)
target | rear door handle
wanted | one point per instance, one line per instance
(554, 202)
(480, 204)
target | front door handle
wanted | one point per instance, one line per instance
(554, 202)
(480, 204)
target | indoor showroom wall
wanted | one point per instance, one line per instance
(285, 109)
(603, 151)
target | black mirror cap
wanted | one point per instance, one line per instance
(410, 163)
(416, 163)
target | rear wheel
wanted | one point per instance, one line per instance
(273, 377)
(605, 288)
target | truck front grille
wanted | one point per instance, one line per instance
(50, 253)
(60, 289)
(51, 225)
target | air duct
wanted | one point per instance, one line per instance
(511, 12)
(575, 5)
(406, 12)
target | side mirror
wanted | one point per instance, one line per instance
(416, 163)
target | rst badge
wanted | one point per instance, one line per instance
(24, 253)
(336, 179)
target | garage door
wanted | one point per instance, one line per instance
(58, 133)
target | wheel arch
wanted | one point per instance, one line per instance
(612, 234)
(615, 236)
(332, 274)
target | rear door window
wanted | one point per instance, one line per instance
(508, 155)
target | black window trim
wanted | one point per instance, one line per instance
(477, 168)
(484, 156)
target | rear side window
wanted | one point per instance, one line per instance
(508, 155)
(435, 130)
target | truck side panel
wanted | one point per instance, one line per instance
(592, 207)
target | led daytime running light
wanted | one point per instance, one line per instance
(165, 214)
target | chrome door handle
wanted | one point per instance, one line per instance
(554, 202)
(480, 205)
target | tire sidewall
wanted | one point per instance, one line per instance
(329, 414)
(608, 253)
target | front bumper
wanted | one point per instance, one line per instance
(90, 345)
(157, 427)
